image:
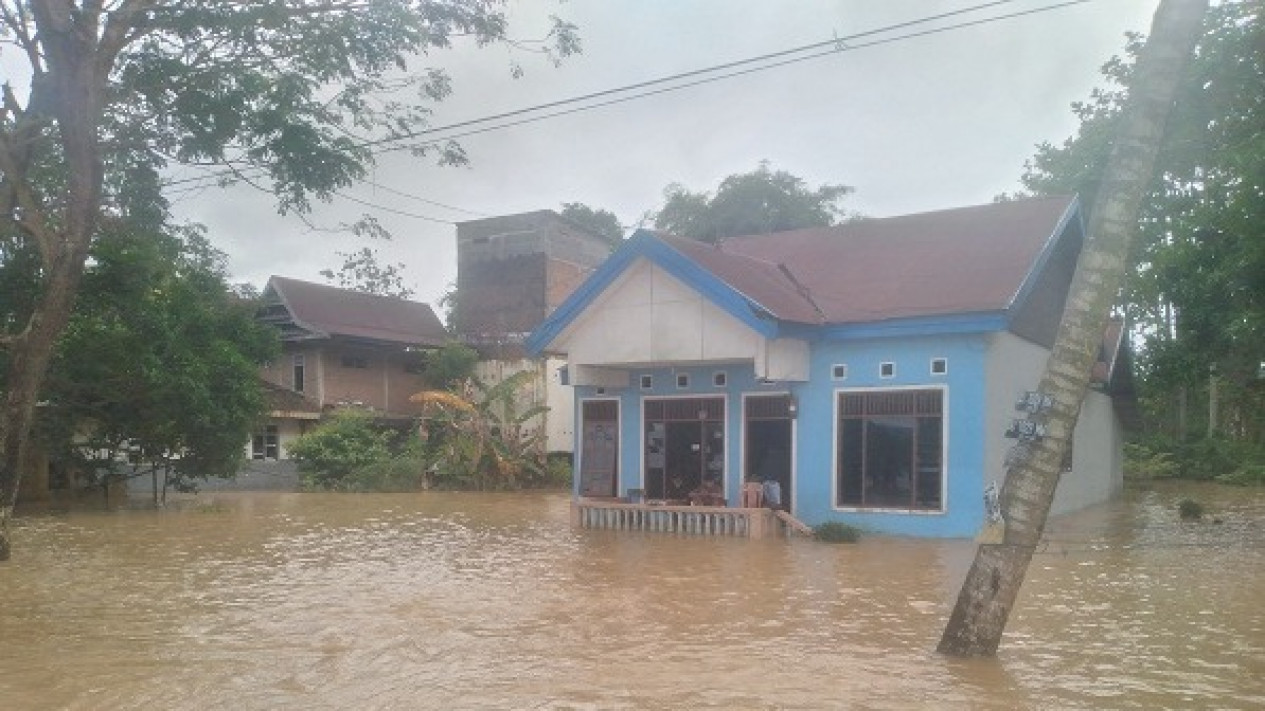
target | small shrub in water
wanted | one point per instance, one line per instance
(1190, 510)
(835, 532)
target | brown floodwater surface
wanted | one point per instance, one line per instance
(491, 601)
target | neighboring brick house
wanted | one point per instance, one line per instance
(512, 272)
(339, 348)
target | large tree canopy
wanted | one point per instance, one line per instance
(1197, 298)
(604, 224)
(759, 202)
(160, 363)
(294, 97)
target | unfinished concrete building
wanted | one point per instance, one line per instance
(512, 272)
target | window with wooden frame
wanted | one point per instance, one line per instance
(298, 372)
(265, 444)
(890, 450)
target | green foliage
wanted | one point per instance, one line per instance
(1219, 459)
(331, 456)
(1206, 459)
(1245, 475)
(295, 89)
(485, 440)
(1143, 461)
(1196, 299)
(835, 532)
(450, 366)
(558, 471)
(157, 370)
(759, 202)
(400, 473)
(362, 272)
(604, 224)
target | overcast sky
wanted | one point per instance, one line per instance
(920, 124)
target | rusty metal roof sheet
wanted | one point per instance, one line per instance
(972, 259)
(333, 312)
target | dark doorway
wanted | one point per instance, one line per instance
(599, 447)
(768, 443)
(685, 447)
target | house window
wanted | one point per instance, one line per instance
(682, 381)
(890, 450)
(647, 382)
(839, 371)
(298, 373)
(720, 379)
(939, 366)
(886, 370)
(264, 444)
(354, 361)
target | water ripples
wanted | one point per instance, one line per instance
(457, 601)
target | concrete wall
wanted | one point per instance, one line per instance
(962, 392)
(514, 270)
(1015, 366)
(288, 430)
(649, 316)
(383, 384)
(544, 388)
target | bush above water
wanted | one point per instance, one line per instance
(835, 532)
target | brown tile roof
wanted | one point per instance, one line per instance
(965, 260)
(280, 399)
(333, 312)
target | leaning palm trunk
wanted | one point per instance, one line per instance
(988, 594)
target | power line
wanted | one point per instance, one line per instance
(706, 75)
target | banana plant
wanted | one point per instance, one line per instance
(482, 436)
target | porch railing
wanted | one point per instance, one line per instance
(696, 520)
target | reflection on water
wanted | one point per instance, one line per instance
(460, 601)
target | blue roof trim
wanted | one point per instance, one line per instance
(1071, 215)
(980, 322)
(644, 244)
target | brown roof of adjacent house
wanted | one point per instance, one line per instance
(330, 311)
(284, 402)
(965, 260)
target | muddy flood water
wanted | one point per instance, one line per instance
(463, 601)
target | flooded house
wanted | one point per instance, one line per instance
(865, 373)
(339, 348)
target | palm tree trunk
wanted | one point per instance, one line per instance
(988, 594)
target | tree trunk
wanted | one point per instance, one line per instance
(989, 591)
(1212, 402)
(71, 93)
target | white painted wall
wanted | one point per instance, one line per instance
(649, 316)
(1014, 366)
(546, 389)
(288, 430)
(1097, 458)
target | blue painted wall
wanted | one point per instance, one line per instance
(814, 431)
(963, 387)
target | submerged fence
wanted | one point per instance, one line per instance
(696, 520)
